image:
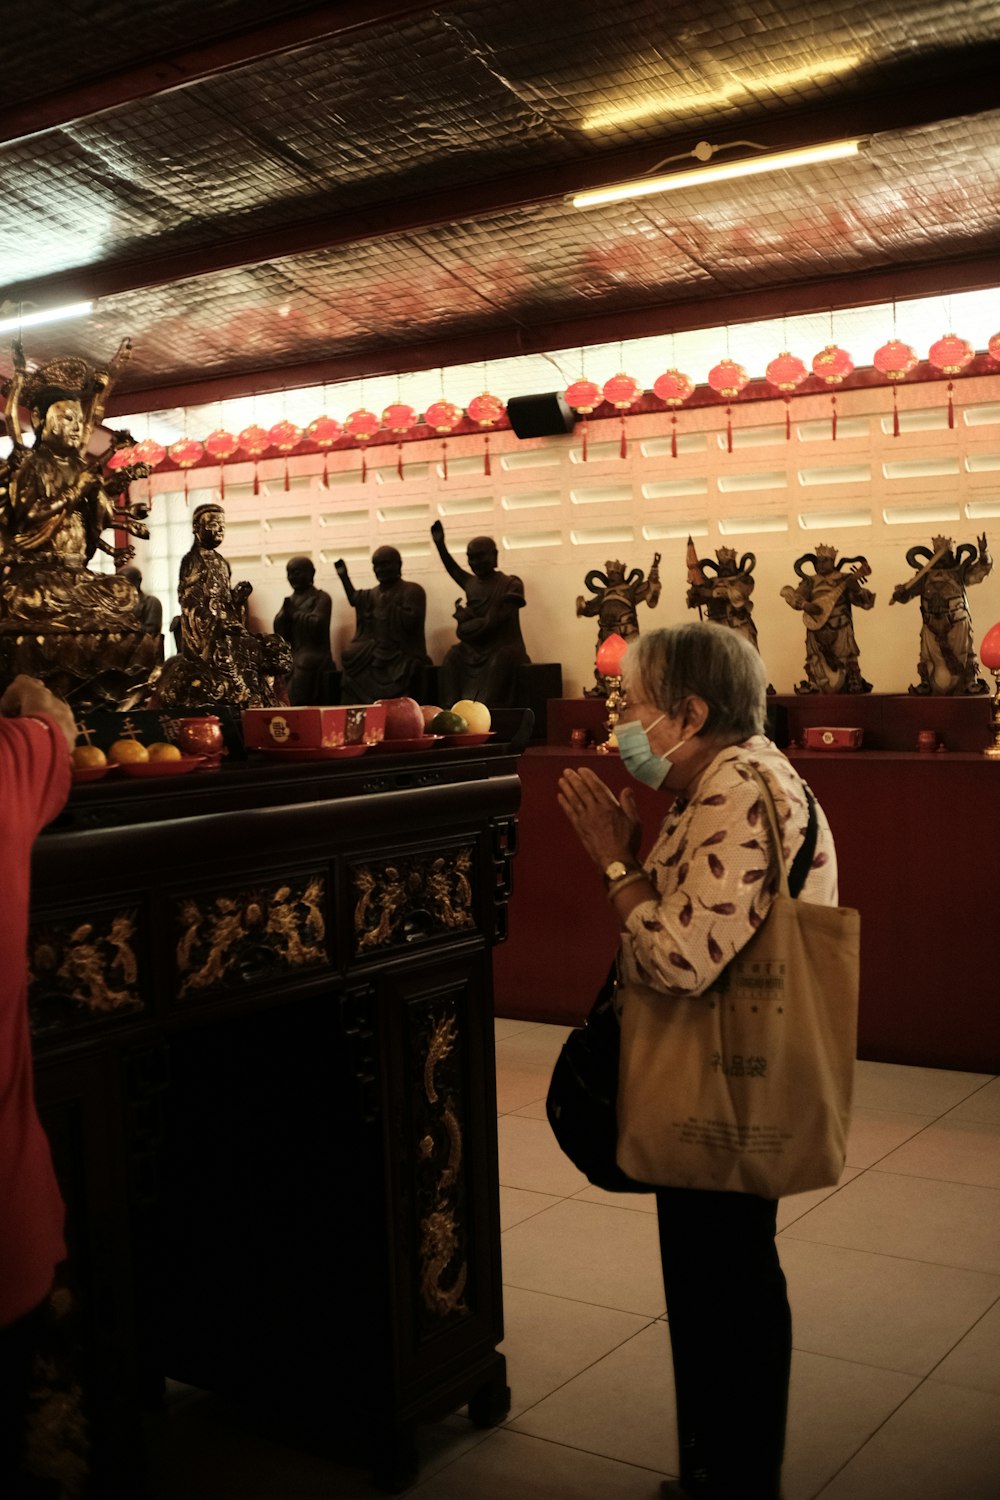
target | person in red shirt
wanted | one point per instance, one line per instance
(37, 732)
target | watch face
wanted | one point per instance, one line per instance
(615, 870)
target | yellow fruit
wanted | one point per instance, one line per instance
(475, 714)
(124, 751)
(85, 757)
(163, 750)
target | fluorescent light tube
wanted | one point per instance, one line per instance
(48, 315)
(752, 166)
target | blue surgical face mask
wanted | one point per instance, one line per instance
(638, 757)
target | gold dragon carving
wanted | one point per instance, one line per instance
(92, 964)
(435, 890)
(438, 1228)
(285, 920)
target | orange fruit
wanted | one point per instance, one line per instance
(87, 756)
(164, 750)
(124, 751)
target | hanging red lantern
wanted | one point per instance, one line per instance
(951, 354)
(149, 452)
(894, 359)
(362, 426)
(186, 452)
(221, 444)
(486, 410)
(727, 378)
(254, 441)
(832, 364)
(284, 436)
(185, 455)
(622, 391)
(786, 371)
(121, 457)
(399, 418)
(583, 396)
(324, 431)
(994, 347)
(673, 388)
(443, 416)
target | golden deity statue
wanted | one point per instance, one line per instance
(77, 630)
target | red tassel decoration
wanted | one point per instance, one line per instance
(222, 483)
(788, 420)
(895, 414)
(444, 460)
(325, 476)
(583, 435)
(951, 405)
(185, 486)
(623, 445)
(729, 429)
(487, 466)
(833, 418)
(288, 482)
(364, 468)
(399, 460)
(673, 436)
(256, 481)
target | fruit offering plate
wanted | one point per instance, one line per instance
(465, 741)
(313, 752)
(91, 773)
(393, 747)
(161, 767)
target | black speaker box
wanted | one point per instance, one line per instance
(540, 416)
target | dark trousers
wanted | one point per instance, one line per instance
(18, 1343)
(731, 1337)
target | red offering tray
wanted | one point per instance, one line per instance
(161, 767)
(91, 773)
(465, 741)
(314, 752)
(422, 742)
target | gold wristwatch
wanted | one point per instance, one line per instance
(617, 870)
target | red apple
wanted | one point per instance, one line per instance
(429, 712)
(403, 718)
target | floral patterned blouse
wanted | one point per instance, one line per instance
(711, 868)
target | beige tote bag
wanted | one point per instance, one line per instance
(747, 1088)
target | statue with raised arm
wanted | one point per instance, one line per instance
(388, 655)
(827, 596)
(948, 661)
(483, 665)
(615, 603)
(304, 622)
(220, 660)
(77, 630)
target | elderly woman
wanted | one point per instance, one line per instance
(693, 726)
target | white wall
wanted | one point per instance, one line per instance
(555, 517)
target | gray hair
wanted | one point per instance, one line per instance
(707, 661)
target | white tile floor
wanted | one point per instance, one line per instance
(894, 1279)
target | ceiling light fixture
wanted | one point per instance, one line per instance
(46, 315)
(709, 171)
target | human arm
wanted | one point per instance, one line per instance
(27, 698)
(608, 830)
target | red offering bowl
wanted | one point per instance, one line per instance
(91, 773)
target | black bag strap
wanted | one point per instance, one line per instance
(802, 863)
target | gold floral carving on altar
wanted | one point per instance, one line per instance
(251, 933)
(412, 897)
(440, 1238)
(87, 967)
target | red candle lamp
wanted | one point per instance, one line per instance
(989, 655)
(610, 655)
